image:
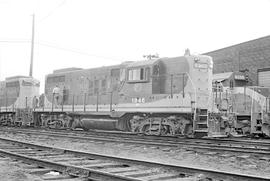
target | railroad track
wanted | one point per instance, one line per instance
(78, 164)
(220, 145)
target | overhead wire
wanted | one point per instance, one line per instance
(51, 11)
(77, 51)
(52, 45)
(14, 41)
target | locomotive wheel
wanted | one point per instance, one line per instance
(156, 130)
(266, 130)
(58, 124)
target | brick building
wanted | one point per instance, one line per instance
(252, 57)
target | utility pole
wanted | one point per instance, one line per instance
(32, 47)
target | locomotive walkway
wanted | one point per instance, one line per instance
(77, 164)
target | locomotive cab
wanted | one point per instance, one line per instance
(138, 84)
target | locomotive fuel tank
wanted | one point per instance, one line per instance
(101, 124)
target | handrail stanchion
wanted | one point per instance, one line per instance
(171, 86)
(195, 102)
(52, 101)
(73, 103)
(183, 85)
(84, 101)
(6, 102)
(97, 102)
(26, 103)
(62, 103)
(111, 101)
(43, 105)
(266, 105)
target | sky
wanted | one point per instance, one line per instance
(93, 33)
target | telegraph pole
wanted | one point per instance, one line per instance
(32, 46)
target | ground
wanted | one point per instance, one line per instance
(11, 170)
(240, 163)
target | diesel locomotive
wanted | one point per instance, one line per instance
(163, 96)
(17, 95)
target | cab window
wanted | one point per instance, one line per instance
(137, 74)
(27, 83)
(200, 65)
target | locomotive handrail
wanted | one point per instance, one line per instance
(253, 94)
(195, 101)
(122, 83)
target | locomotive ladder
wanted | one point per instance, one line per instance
(201, 123)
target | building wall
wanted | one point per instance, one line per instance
(251, 55)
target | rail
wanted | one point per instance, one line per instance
(105, 167)
(230, 145)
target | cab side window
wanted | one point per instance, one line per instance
(138, 74)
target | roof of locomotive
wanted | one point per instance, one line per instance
(66, 70)
(127, 64)
(78, 70)
(16, 77)
(152, 61)
(20, 77)
(142, 63)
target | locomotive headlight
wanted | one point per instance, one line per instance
(196, 59)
